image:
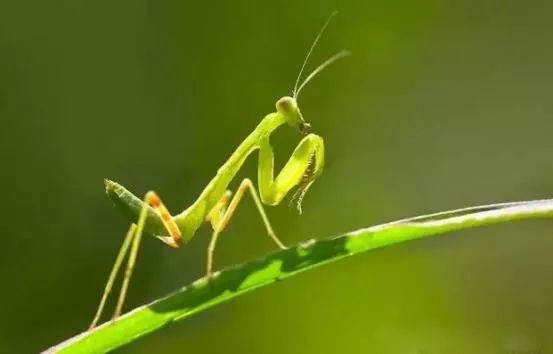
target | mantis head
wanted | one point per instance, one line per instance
(288, 107)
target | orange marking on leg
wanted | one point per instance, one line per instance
(233, 204)
(153, 199)
(218, 210)
(155, 202)
(225, 198)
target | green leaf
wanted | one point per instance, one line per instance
(238, 280)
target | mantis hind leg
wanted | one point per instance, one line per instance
(221, 214)
(118, 262)
(130, 246)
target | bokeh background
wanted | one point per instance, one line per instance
(443, 104)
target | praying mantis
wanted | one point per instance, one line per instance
(216, 204)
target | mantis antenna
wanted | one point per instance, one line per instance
(332, 59)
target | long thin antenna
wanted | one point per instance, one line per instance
(332, 59)
(295, 91)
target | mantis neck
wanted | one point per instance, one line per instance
(193, 217)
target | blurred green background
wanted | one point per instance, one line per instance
(443, 104)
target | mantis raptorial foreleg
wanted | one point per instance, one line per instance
(303, 167)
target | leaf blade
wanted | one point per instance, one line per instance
(238, 280)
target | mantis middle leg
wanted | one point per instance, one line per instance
(221, 214)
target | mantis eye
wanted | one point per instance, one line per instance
(286, 105)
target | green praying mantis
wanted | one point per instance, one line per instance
(216, 205)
